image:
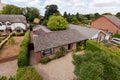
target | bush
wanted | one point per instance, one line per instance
(97, 66)
(79, 48)
(92, 45)
(27, 73)
(57, 23)
(117, 35)
(5, 78)
(60, 53)
(11, 41)
(19, 34)
(45, 60)
(23, 51)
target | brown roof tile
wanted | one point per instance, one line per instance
(56, 38)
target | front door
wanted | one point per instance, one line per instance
(69, 46)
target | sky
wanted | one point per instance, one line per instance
(71, 6)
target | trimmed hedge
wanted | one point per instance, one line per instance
(92, 45)
(27, 73)
(117, 35)
(23, 51)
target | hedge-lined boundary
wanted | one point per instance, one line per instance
(95, 46)
(23, 51)
(117, 35)
(27, 73)
(98, 63)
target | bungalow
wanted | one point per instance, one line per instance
(49, 43)
(91, 33)
(107, 23)
(13, 23)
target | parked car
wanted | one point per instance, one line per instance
(116, 40)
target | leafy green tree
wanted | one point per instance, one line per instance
(75, 20)
(65, 14)
(107, 14)
(57, 23)
(97, 15)
(11, 9)
(118, 15)
(51, 10)
(31, 13)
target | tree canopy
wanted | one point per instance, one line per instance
(51, 10)
(57, 23)
(31, 13)
(11, 9)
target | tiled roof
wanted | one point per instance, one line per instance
(56, 38)
(88, 32)
(113, 19)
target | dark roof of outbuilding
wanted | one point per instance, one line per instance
(13, 18)
(113, 19)
(55, 39)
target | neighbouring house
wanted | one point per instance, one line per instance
(91, 33)
(11, 23)
(2, 5)
(48, 43)
(107, 23)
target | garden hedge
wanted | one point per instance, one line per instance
(92, 45)
(27, 73)
(97, 66)
(117, 35)
(98, 63)
(23, 51)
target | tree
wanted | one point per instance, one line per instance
(11, 9)
(65, 14)
(51, 10)
(57, 23)
(107, 14)
(118, 15)
(31, 13)
(97, 15)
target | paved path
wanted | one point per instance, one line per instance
(8, 68)
(59, 69)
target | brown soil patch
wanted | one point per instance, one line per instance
(11, 50)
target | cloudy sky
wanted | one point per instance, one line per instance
(72, 6)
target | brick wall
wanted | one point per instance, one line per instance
(104, 24)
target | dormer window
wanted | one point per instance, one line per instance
(8, 23)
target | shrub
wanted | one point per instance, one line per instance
(11, 41)
(45, 60)
(23, 51)
(117, 35)
(19, 34)
(119, 45)
(3, 78)
(92, 45)
(60, 53)
(27, 73)
(57, 23)
(79, 48)
(97, 66)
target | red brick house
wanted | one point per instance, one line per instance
(107, 23)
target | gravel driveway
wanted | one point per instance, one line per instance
(59, 69)
(8, 68)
